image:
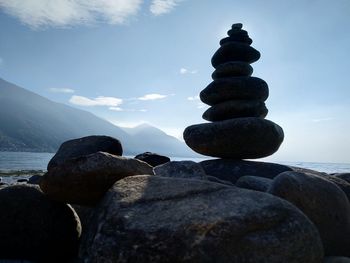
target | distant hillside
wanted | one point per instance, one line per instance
(29, 122)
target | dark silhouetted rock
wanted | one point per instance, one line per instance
(240, 138)
(342, 184)
(235, 88)
(158, 219)
(235, 51)
(231, 170)
(32, 227)
(152, 159)
(336, 260)
(344, 176)
(235, 109)
(84, 146)
(181, 169)
(232, 69)
(35, 179)
(84, 180)
(323, 202)
(254, 183)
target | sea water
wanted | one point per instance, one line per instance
(18, 165)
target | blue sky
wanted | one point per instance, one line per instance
(134, 61)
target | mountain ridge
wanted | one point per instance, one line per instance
(31, 122)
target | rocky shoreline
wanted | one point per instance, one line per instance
(117, 209)
(94, 205)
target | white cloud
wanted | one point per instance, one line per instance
(62, 90)
(153, 96)
(99, 101)
(128, 110)
(186, 71)
(322, 119)
(46, 13)
(200, 105)
(193, 98)
(160, 7)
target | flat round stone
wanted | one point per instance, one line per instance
(232, 69)
(235, 51)
(237, 32)
(235, 88)
(241, 138)
(246, 40)
(236, 109)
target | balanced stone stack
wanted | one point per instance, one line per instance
(238, 129)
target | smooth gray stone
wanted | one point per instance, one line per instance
(344, 176)
(181, 169)
(33, 227)
(240, 138)
(254, 183)
(232, 170)
(235, 109)
(235, 51)
(84, 146)
(158, 219)
(234, 88)
(232, 69)
(323, 202)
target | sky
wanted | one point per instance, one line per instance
(145, 61)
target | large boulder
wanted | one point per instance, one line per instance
(323, 202)
(231, 170)
(181, 169)
(153, 159)
(33, 227)
(238, 138)
(336, 260)
(254, 183)
(84, 146)
(84, 180)
(158, 219)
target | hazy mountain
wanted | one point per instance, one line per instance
(29, 122)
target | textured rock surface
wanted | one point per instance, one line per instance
(84, 180)
(32, 227)
(254, 183)
(323, 202)
(157, 219)
(234, 88)
(235, 109)
(231, 170)
(153, 159)
(181, 169)
(240, 138)
(84, 146)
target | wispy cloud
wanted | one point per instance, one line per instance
(51, 13)
(322, 119)
(62, 90)
(99, 101)
(128, 110)
(160, 7)
(193, 98)
(199, 104)
(186, 71)
(154, 96)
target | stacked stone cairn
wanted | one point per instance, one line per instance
(238, 129)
